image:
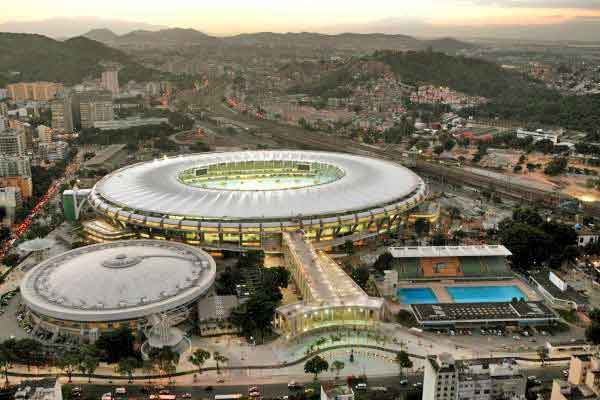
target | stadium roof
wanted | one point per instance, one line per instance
(449, 251)
(155, 187)
(118, 281)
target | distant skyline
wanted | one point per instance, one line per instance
(226, 17)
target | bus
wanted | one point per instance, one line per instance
(236, 396)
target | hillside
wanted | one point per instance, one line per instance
(468, 75)
(346, 41)
(37, 57)
(101, 35)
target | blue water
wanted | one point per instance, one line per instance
(417, 296)
(484, 294)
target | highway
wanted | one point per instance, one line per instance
(278, 390)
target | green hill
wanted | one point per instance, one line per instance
(37, 57)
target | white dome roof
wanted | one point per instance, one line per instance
(118, 281)
(154, 188)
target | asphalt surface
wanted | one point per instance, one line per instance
(278, 390)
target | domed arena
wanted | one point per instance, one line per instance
(245, 200)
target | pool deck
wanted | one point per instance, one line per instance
(439, 287)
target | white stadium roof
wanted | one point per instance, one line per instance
(154, 187)
(449, 251)
(118, 281)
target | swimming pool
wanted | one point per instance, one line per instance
(484, 294)
(417, 296)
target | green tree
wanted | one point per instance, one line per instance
(126, 367)
(422, 227)
(165, 360)
(219, 359)
(198, 358)
(68, 363)
(361, 275)
(384, 262)
(337, 366)
(315, 366)
(5, 362)
(542, 353)
(403, 361)
(89, 361)
(117, 344)
(349, 247)
(148, 368)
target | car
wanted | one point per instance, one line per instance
(294, 385)
(221, 380)
(418, 384)
(309, 391)
(107, 396)
(253, 389)
(565, 372)
(403, 382)
(531, 378)
(164, 391)
(209, 389)
(120, 391)
(379, 389)
(517, 337)
(186, 396)
(361, 386)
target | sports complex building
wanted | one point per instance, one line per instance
(148, 285)
(246, 200)
(449, 287)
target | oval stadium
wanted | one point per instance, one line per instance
(92, 289)
(247, 199)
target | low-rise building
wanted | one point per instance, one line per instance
(557, 291)
(448, 379)
(583, 381)
(108, 158)
(43, 389)
(129, 123)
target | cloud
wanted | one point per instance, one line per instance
(549, 4)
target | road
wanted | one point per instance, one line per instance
(20, 230)
(277, 390)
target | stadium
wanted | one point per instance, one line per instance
(246, 200)
(101, 287)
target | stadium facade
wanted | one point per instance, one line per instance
(102, 287)
(246, 200)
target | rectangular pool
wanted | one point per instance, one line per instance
(484, 294)
(417, 296)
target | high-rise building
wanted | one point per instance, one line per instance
(95, 106)
(447, 379)
(62, 113)
(3, 93)
(40, 91)
(14, 166)
(44, 134)
(12, 142)
(110, 81)
(10, 199)
(3, 123)
(583, 381)
(3, 109)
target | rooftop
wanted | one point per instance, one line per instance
(542, 279)
(118, 280)
(449, 251)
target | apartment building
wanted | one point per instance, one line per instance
(583, 381)
(38, 91)
(62, 113)
(95, 106)
(447, 379)
(110, 81)
(13, 142)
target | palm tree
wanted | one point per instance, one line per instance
(198, 358)
(148, 368)
(126, 366)
(403, 361)
(337, 366)
(542, 353)
(219, 358)
(5, 365)
(68, 362)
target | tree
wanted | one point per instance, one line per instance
(68, 363)
(198, 358)
(280, 276)
(403, 361)
(542, 353)
(219, 358)
(349, 247)
(361, 276)
(316, 365)
(89, 361)
(126, 367)
(384, 262)
(438, 239)
(337, 366)
(5, 362)
(26, 351)
(421, 227)
(592, 333)
(148, 368)
(165, 360)
(117, 344)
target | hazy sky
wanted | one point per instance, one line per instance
(233, 16)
